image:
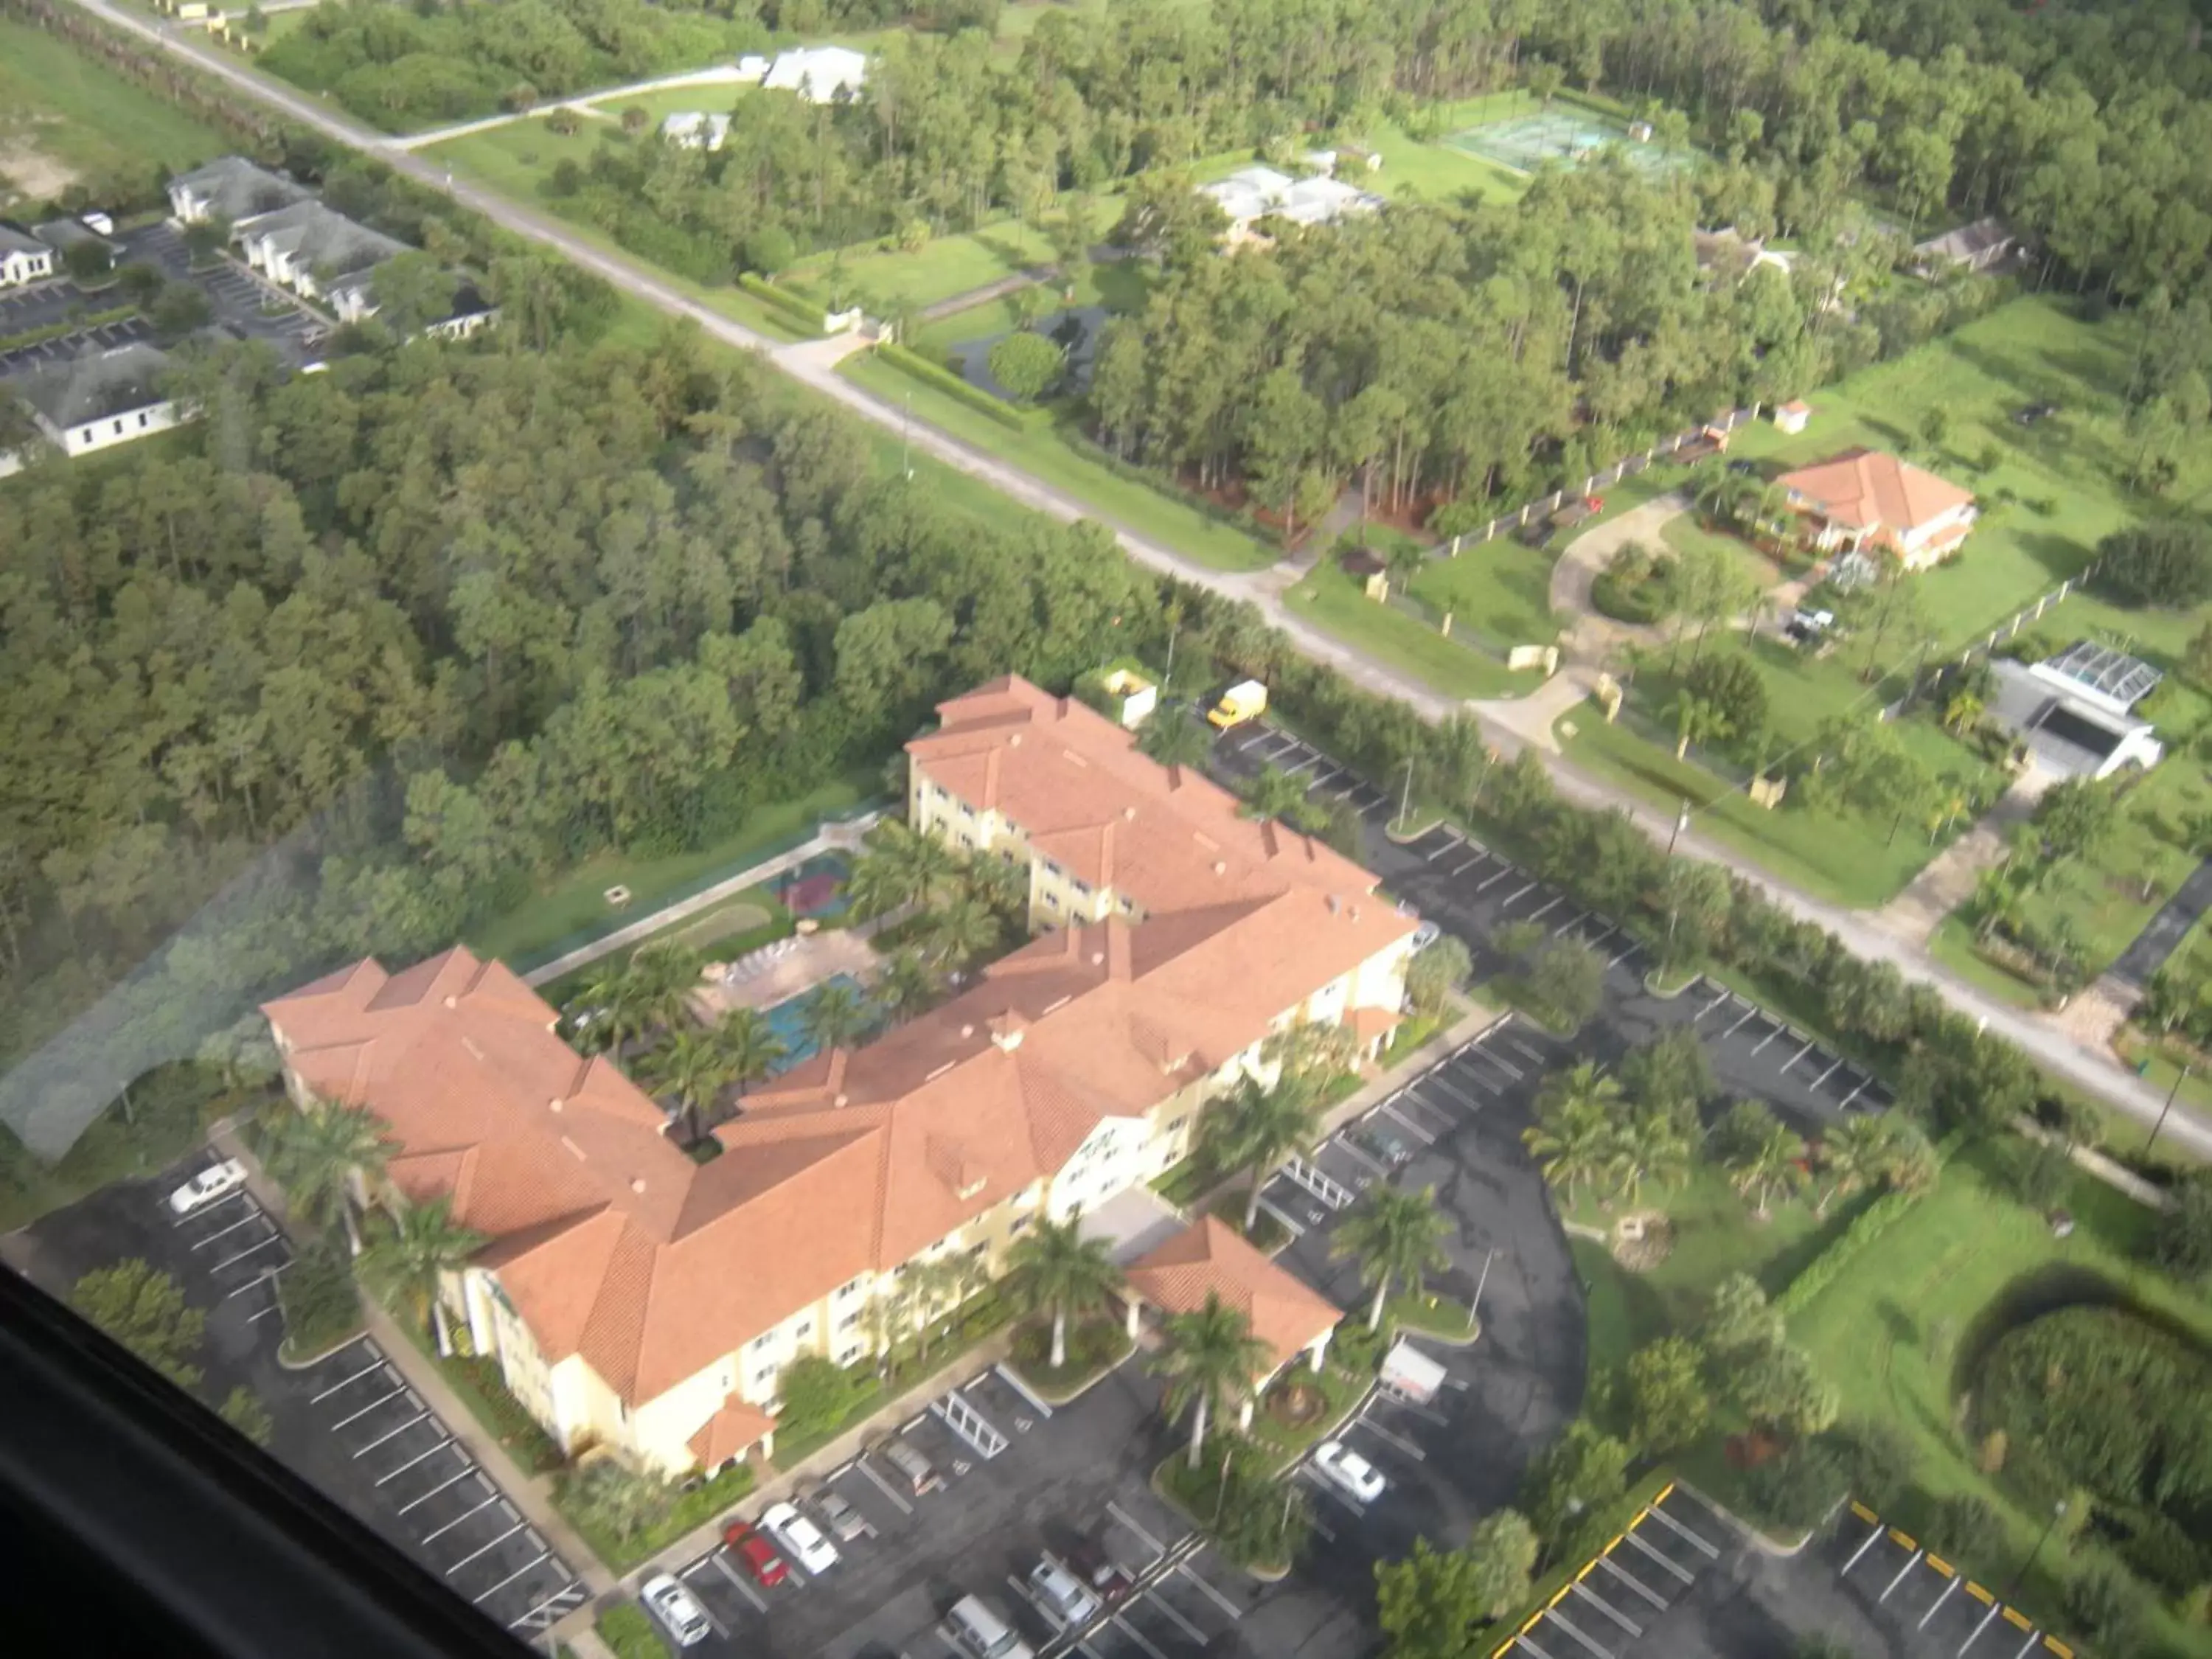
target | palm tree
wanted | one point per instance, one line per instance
(940, 1287)
(998, 883)
(1396, 1236)
(1209, 1358)
(663, 976)
(877, 884)
(1963, 712)
(1653, 1146)
(964, 930)
(1768, 1167)
(1697, 719)
(691, 1066)
(836, 1014)
(746, 1044)
(1055, 1267)
(1270, 792)
(1853, 1155)
(907, 985)
(1262, 1127)
(590, 1013)
(929, 864)
(1577, 1118)
(1174, 738)
(409, 1262)
(889, 1312)
(319, 1155)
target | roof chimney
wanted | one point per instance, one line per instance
(968, 1030)
(452, 1001)
(637, 1183)
(841, 1099)
(1129, 813)
(1221, 867)
(556, 1104)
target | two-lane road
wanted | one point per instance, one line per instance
(814, 363)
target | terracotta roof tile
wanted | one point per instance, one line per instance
(1209, 1258)
(1867, 489)
(732, 1431)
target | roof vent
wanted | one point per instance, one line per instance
(556, 1104)
(842, 1099)
(1221, 867)
(968, 1030)
(637, 1183)
(1015, 741)
(1335, 904)
(1129, 813)
(1097, 958)
(453, 1002)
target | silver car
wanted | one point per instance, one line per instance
(677, 1609)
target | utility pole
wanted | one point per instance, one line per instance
(1406, 798)
(1681, 823)
(1475, 1308)
(2178, 1080)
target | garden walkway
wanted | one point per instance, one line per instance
(1013, 283)
(1590, 636)
(1949, 880)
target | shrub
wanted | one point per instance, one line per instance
(1967, 1528)
(1027, 365)
(2101, 1600)
(951, 384)
(2163, 1553)
(2166, 564)
(816, 1395)
(1876, 1458)
(627, 1631)
(321, 1305)
(1796, 1489)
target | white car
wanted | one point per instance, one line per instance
(1066, 1600)
(677, 1609)
(216, 1181)
(1347, 1471)
(800, 1537)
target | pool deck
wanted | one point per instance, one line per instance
(802, 962)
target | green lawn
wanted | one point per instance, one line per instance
(673, 100)
(1683, 534)
(1334, 601)
(64, 119)
(576, 901)
(1890, 1332)
(1715, 1235)
(1115, 500)
(1120, 287)
(941, 268)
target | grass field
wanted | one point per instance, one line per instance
(577, 900)
(1115, 500)
(1683, 534)
(1335, 601)
(945, 266)
(658, 106)
(1121, 287)
(1891, 1333)
(65, 119)
(1715, 1235)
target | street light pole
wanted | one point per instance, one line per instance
(2178, 1080)
(1681, 823)
(2057, 1514)
(1406, 798)
(1475, 1308)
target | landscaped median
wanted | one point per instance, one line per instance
(1095, 1347)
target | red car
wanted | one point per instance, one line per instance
(767, 1567)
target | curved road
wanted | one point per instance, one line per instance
(814, 362)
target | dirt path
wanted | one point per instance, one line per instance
(1948, 881)
(1591, 637)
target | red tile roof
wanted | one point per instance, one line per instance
(730, 1432)
(1209, 1258)
(1867, 489)
(613, 1244)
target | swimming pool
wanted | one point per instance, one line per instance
(787, 1020)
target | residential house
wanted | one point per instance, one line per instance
(1865, 499)
(98, 399)
(1178, 939)
(697, 130)
(2075, 711)
(820, 74)
(62, 234)
(23, 257)
(231, 189)
(469, 311)
(317, 253)
(1978, 246)
(1251, 194)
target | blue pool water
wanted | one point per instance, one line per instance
(787, 1020)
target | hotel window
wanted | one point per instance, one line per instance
(849, 1322)
(1021, 1224)
(761, 1341)
(803, 1329)
(846, 1356)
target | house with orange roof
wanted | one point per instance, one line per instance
(1209, 1258)
(637, 1299)
(1864, 499)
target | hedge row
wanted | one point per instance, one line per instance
(1871, 1223)
(945, 380)
(791, 304)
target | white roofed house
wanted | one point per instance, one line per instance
(98, 399)
(696, 130)
(23, 257)
(2075, 711)
(230, 189)
(1251, 194)
(820, 74)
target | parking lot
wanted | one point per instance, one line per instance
(1628, 1588)
(348, 1422)
(1923, 1603)
(1011, 1483)
(62, 348)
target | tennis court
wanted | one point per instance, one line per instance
(1564, 134)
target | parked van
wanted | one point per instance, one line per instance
(917, 1472)
(972, 1628)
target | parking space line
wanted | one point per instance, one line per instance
(1615, 961)
(1750, 1013)
(1354, 1153)
(1391, 1437)
(1948, 1590)
(1724, 995)
(735, 1578)
(420, 1457)
(264, 1277)
(1630, 1536)
(1176, 1619)
(1315, 759)
(1320, 777)
(1986, 1620)
(1568, 1625)
(883, 1486)
(1577, 920)
(468, 1469)
(1218, 1598)
(1459, 870)
(1452, 842)
(1412, 1127)
(433, 1537)
(1606, 1607)
(1158, 1548)
(1768, 1039)
(1533, 1056)
(556, 1595)
(382, 1399)
(1633, 1582)
(1794, 1058)
(1504, 1065)
(1523, 1641)
(251, 1216)
(1865, 1544)
(1545, 908)
(1830, 1073)
(274, 1307)
(1498, 875)
(382, 1438)
(1518, 894)
(477, 1602)
(1911, 1561)
(1658, 1514)
(233, 1261)
(1846, 1104)
(1134, 1635)
(487, 1549)
(1437, 1078)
